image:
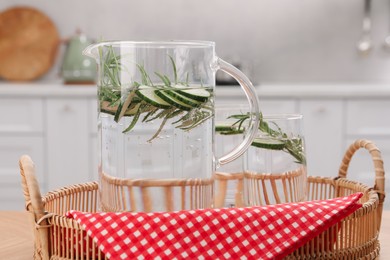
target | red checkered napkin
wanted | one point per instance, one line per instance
(269, 232)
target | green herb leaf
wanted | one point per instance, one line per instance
(151, 113)
(174, 68)
(164, 79)
(145, 77)
(133, 122)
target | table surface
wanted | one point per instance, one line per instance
(17, 239)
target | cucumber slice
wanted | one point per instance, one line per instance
(268, 143)
(199, 94)
(173, 101)
(226, 129)
(149, 94)
(221, 128)
(189, 101)
(232, 132)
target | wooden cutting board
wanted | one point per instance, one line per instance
(28, 44)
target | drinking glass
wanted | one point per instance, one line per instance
(275, 164)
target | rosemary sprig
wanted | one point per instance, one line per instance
(164, 79)
(192, 119)
(293, 146)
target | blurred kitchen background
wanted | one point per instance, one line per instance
(289, 41)
(301, 55)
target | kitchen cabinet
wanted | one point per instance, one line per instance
(21, 116)
(57, 126)
(278, 106)
(324, 137)
(93, 149)
(21, 132)
(71, 140)
(368, 119)
(68, 141)
(11, 148)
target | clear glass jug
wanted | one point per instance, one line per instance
(156, 124)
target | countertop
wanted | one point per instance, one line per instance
(57, 88)
(17, 239)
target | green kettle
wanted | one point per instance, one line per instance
(77, 68)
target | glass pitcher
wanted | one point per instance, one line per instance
(156, 124)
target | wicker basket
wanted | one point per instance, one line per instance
(356, 237)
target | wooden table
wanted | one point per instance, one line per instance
(15, 235)
(16, 239)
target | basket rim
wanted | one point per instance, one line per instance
(371, 204)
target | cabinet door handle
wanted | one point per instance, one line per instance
(67, 108)
(321, 110)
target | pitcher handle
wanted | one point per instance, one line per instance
(250, 93)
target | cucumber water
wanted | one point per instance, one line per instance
(143, 104)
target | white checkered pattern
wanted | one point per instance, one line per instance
(269, 232)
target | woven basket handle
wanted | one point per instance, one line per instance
(34, 204)
(379, 185)
(31, 191)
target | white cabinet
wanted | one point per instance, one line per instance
(21, 132)
(368, 119)
(68, 141)
(324, 136)
(21, 115)
(58, 133)
(93, 141)
(11, 148)
(266, 105)
(278, 106)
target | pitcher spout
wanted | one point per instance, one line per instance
(92, 51)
